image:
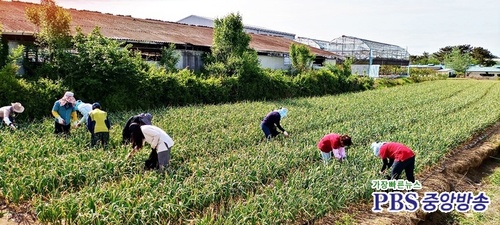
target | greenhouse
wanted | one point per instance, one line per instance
(363, 51)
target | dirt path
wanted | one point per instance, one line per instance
(462, 170)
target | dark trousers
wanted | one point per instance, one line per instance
(152, 161)
(408, 166)
(269, 132)
(103, 137)
(59, 128)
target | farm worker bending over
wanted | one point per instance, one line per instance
(64, 110)
(334, 143)
(397, 155)
(141, 119)
(8, 114)
(156, 137)
(98, 125)
(84, 109)
(272, 121)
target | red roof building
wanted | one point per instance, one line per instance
(149, 36)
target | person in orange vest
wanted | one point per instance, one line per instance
(98, 125)
(397, 155)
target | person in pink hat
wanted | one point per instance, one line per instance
(64, 111)
(8, 114)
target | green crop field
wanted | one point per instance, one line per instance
(223, 172)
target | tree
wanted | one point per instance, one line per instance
(231, 54)
(441, 54)
(424, 59)
(479, 55)
(483, 56)
(458, 61)
(169, 58)
(53, 23)
(301, 57)
(105, 70)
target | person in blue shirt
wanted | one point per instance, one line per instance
(64, 111)
(271, 123)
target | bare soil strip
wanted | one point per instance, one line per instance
(461, 170)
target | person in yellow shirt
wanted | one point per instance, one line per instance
(64, 112)
(98, 125)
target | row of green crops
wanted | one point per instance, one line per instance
(223, 172)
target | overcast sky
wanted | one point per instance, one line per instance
(418, 25)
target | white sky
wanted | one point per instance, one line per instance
(419, 25)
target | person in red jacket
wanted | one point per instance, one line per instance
(334, 144)
(397, 155)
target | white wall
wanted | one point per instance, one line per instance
(330, 61)
(366, 70)
(272, 62)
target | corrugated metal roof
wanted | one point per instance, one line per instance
(13, 20)
(494, 69)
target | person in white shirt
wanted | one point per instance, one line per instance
(84, 109)
(156, 137)
(8, 113)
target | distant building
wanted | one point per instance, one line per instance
(209, 22)
(428, 66)
(492, 72)
(148, 36)
(368, 56)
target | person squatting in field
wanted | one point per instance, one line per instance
(8, 114)
(84, 109)
(63, 111)
(334, 144)
(272, 121)
(98, 125)
(141, 119)
(397, 155)
(159, 140)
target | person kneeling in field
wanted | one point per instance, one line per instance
(334, 144)
(272, 121)
(397, 155)
(98, 125)
(160, 141)
(8, 114)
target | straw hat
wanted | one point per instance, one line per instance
(17, 107)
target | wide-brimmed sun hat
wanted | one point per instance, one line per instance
(283, 112)
(69, 94)
(17, 107)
